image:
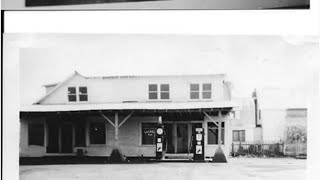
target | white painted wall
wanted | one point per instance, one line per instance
(273, 124)
(136, 88)
(30, 150)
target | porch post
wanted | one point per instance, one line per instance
(116, 129)
(219, 129)
(219, 155)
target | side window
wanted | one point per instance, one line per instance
(194, 91)
(153, 91)
(36, 134)
(206, 91)
(238, 135)
(72, 94)
(213, 133)
(148, 133)
(83, 94)
(164, 91)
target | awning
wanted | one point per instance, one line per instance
(128, 106)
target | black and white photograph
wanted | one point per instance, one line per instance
(155, 4)
(141, 106)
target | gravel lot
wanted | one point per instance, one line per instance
(236, 168)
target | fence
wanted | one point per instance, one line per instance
(270, 149)
(295, 149)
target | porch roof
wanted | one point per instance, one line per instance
(129, 106)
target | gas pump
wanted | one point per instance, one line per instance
(159, 139)
(198, 144)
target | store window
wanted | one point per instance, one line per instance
(148, 133)
(36, 134)
(213, 133)
(97, 133)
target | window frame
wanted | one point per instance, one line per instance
(141, 133)
(83, 94)
(158, 92)
(194, 91)
(223, 138)
(153, 91)
(239, 136)
(206, 91)
(164, 91)
(43, 131)
(72, 94)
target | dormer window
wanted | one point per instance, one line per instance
(159, 92)
(153, 91)
(194, 91)
(206, 91)
(72, 94)
(164, 94)
(83, 94)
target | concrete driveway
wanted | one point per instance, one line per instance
(236, 168)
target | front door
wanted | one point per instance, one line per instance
(53, 137)
(66, 138)
(182, 137)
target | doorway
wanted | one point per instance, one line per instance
(182, 137)
(179, 136)
(60, 137)
(66, 138)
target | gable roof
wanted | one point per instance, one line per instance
(57, 86)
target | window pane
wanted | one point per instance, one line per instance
(194, 95)
(72, 98)
(206, 95)
(71, 90)
(213, 125)
(153, 95)
(153, 87)
(194, 87)
(164, 87)
(212, 136)
(242, 136)
(164, 95)
(83, 90)
(206, 87)
(83, 97)
(97, 133)
(148, 133)
(36, 134)
(213, 133)
(235, 136)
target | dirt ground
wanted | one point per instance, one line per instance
(236, 168)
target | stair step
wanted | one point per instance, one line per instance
(178, 156)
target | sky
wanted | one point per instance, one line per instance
(262, 62)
